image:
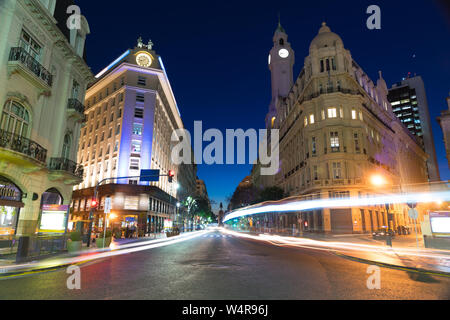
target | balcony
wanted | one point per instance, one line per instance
(65, 169)
(22, 145)
(75, 105)
(22, 62)
(76, 109)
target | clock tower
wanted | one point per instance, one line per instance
(281, 63)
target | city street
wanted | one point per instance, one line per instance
(223, 266)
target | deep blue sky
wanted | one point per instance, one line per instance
(215, 53)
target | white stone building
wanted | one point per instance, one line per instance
(43, 78)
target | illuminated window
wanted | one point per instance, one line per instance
(137, 129)
(136, 146)
(311, 118)
(341, 112)
(360, 116)
(323, 114)
(354, 114)
(332, 113)
(305, 121)
(334, 140)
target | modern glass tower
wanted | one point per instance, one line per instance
(409, 103)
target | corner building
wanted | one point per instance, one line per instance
(130, 116)
(337, 130)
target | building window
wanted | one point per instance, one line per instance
(323, 114)
(337, 174)
(334, 141)
(118, 129)
(30, 45)
(333, 63)
(137, 129)
(354, 114)
(341, 112)
(360, 116)
(116, 146)
(315, 173)
(134, 164)
(311, 118)
(139, 113)
(119, 113)
(140, 97)
(357, 147)
(332, 112)
(305, 121)
(66, 147)
(15, 119)
(142, 81)
(135, 146)
(313, 145)
(321, 66)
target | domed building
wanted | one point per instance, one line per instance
(337, 132)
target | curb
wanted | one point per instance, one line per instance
(7, 275)
(393, 266)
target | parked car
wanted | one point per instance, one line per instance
(383, 233)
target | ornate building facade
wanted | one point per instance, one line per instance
(337, 132)
(43, 78)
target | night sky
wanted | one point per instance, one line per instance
(215, 53)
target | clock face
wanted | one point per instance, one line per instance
(144, 59)
(283, 53)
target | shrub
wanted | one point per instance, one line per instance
(75, 236)
(108, 234)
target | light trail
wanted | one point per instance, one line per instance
(105, 253)
(305, 205)
(442, 255)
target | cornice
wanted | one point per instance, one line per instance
(59, 40)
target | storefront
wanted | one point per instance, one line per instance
(10, 205)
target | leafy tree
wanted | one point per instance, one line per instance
(271, 194)
(243, 196)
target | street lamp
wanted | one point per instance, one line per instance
(377, 180)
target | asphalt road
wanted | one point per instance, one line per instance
(218, 266)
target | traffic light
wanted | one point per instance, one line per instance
(94, 203)
(171, 175)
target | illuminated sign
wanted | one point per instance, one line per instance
(440, 222)
(53, 218)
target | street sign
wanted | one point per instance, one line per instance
(108, 205)
(413, 213)
(149, 175)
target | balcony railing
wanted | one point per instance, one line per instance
(22, 145)
(63, 164)
(20, 55)
(76, 105)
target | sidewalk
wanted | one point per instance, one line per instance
(8, 259)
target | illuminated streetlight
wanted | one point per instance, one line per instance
(377, 180)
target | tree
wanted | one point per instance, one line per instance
(271, 194)
(243, 196)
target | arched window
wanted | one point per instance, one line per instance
(15, 119)
(281, 42)
(66, 147)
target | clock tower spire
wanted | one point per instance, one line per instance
(281, 63)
